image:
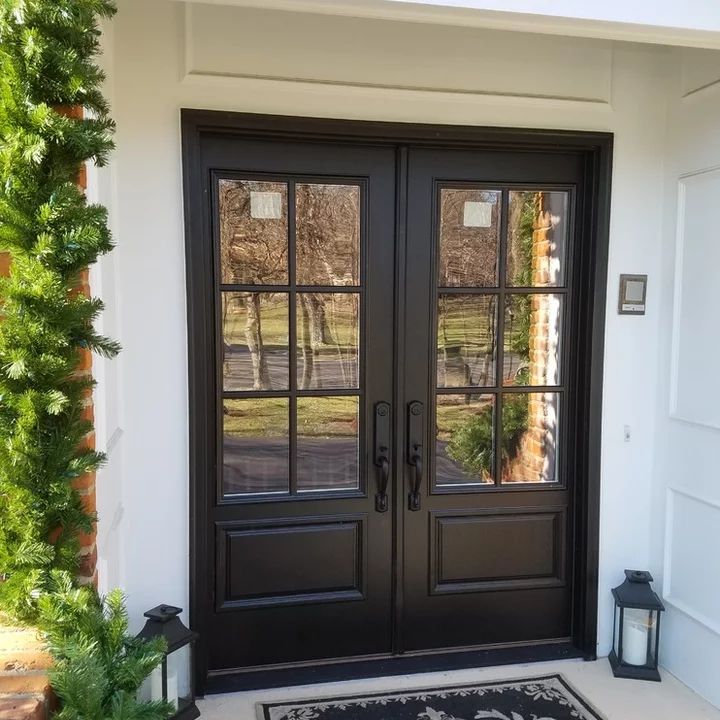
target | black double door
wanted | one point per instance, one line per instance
(385, 367)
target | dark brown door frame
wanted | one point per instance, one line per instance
(594, 209)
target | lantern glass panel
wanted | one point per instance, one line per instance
(637, 625)
(652, 654)
(616, 631)
(179, 676)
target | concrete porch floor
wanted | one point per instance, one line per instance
(615, 699)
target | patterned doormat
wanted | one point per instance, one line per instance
(541, 698)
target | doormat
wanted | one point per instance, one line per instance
(541, 698)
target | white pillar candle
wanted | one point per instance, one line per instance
(172, 688)
(635, 636)
(156, 692)
(156, 684)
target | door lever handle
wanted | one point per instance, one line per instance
(415, 452)
(417, 463)
(381, 500)
(382, 456)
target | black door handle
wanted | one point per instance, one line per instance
(382, 453)
(415, 452)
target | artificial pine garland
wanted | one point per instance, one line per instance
(47, 65)
(47, 53)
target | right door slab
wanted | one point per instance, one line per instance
(489, 358)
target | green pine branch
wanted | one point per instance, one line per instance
(98, 667)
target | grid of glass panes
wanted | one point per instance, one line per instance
(499, 335)
(290, 299)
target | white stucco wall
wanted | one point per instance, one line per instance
(162, 58)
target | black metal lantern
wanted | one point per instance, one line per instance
(173, 680)
(636, 630)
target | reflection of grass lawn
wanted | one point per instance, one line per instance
(463, 322)
(452, 412)
(274, 321)
(268, 417)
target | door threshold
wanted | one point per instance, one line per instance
(224, 682)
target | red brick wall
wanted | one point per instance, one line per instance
(85, 485)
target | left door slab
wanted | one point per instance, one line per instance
(296, 326)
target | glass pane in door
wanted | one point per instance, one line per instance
(532, 339)
(464, 445)
(328, 234)
(327, 443)
(469, 237)
(466, 340)
(537, 238)
(529, 437)
(253, 229)
(256, 446)
(328, 333)
(255, 341)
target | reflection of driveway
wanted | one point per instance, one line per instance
(447, 472)
(260, 465)
(458, 371)
(255, 465)
(328, 370)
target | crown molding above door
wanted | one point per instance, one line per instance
(471, 13)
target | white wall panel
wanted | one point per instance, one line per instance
(692, 524)
(696, 342)
(686, 481)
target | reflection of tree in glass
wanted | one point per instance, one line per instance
(253, 250)
(328, 234)
(255, 330)
(327, 332)
(327, 249)
(254, 340)
(468, 253)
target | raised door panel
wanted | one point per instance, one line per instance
(503, 549)
(285, 562)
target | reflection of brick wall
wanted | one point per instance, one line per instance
(535, 457)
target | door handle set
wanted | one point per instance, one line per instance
(381, 454)
(414, 454)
